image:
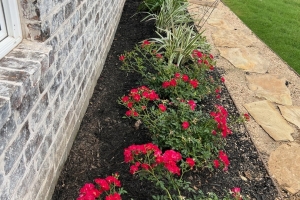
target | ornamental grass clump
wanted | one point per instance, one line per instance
(154, 6)
(172, 14)
(177, 44)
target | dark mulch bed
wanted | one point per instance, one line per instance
(103, 135)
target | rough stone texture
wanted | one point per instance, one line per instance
(211, 3)
(45, 89)
(245, 59)
(275, 126)
(284, 165)
(230, 38)
(271, 87)
(4, 111)
(219, 23)
(291, 114)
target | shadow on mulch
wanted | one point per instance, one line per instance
(103, 135)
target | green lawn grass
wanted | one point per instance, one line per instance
(276, 22)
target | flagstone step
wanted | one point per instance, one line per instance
(231, 38)
(271, 87)
(284, 165)
(270, 120)
(291, 114)
(245, 58)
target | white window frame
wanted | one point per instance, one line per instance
(3, 31)
(13, 27)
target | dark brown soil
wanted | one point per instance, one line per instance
(103, 135)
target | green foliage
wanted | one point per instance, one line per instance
(154, 6)
(196, 141)
(171, 15)
(178, 44)
(156, 71)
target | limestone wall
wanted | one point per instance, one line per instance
(45, 86)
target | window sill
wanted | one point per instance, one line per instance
(21, 70)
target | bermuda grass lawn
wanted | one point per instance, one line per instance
(276, 22)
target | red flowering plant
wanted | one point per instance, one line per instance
(222, 161)
(220, 116)
(108, 188)
(137, 101)
(203, 61)
(236, 193)
(185, 85)
(165, 169)
(177, 124)
(142, 59)
(171, 80)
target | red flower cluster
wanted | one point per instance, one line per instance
(185, 125)
(222, 79)
(192, 104)
(203, 58)
(135, 150)
(218, 91)
(136, 95)
(236, 193)
(115, 196)
(177, 76)
(162, 107)
(221, 118)
(190, 162)
(158, 55)
(171, 83)
(121, 58)
(168, 159)
(90, 192)
(224, 159)
(247, 117)
(145, 43)
(194, 83)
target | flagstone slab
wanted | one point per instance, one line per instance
(291, 114)
(219, 23)
(230, 38)
(210, 3)
(270, 87)
(245, 58)
(284, 165)
(270, 120)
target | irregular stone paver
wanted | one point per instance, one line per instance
(218, 22)
(284, 165)
(291, 114)
(230, 38)
(210, 3)
(270, 120)
(245, 58)
(270, 87)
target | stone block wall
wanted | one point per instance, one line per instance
(45, 86)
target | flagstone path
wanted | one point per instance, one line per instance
(261, 84)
